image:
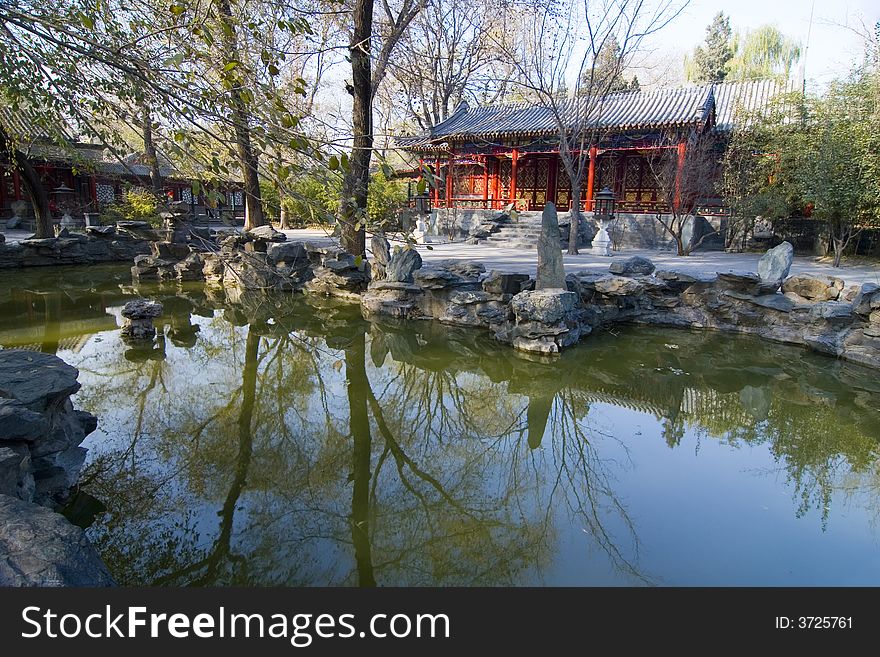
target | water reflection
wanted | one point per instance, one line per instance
(280, 440)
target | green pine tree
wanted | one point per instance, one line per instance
(708, 64)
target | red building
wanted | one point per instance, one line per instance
(489, 157)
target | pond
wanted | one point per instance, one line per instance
(287, 441)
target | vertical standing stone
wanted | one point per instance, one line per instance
(551, 273)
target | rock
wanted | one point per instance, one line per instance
(470, 271)
(772, 301)
(138, 318)
(632, 266)
(39, 547)
(344, 262)
(437, 279)
(543, 306)
(142, 309)
(402, 265)
(500, 283)
(832, 311)
(292, 254)
(814, 288)
(134, 225)
(169, 250)
(867, 299)
(13, 223)
(267, 234)
(739, 281)
(16, 476)
(19, 423)
(774, 265)
(551, 272)
(39, 381)
(101, 231)
(616, 286)
(381, 256)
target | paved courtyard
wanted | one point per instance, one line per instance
(525, 261)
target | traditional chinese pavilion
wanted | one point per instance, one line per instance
(489, 157)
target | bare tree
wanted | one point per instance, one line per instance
(365, 80)
(556, 57)
(685, 174)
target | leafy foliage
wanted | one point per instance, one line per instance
(710, 60)
(135, 204)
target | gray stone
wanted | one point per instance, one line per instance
(402, 265)
(39, 381)
(470, 271)
(142, 309)
(814, 288)
(101, 231)
(616, 286)
(17, 422)
(16, 477)
(169, 250)
(774, 265)
(543, 306)
(133, 225)
(771, 301)
(289, 253)
(632, 266)
(2, 238)
(867, 299)
(832, 311)
(267, 234)
(13, 223)
(381, 256)
(500, 283)
(739, 281)
(437, 279)
(551, 272)
(39, 547)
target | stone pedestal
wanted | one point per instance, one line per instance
(138, 316)
(601, 242)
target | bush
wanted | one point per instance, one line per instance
(135, 204)
(312, 199)
(386, 198)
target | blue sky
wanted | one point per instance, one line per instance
(832, 47)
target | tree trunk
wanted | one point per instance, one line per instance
(150, 150)
(574, 218)
(353, 205)
(33, 184)
(247, 156)
(359, 423)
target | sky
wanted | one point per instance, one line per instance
(831, 49)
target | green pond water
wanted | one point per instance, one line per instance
(287, 441)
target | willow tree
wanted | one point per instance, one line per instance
(763, 53)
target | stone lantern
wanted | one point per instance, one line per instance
(603, 213)
(64, 200)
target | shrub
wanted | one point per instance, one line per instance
(135, 204)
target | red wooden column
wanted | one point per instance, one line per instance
(513, 167)
(486, 181)
(591, 177)
(682, 151)
(495, 178)
(552, 168)
(436, 190)
(449, 181)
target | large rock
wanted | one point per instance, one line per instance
(774, 265)
(19, 423)
(551, 272)
(16, 475)
(633, 266)
(467, 269)
(381, 256)
(292, 254)
(142, 309)
(170, 250)
(266, 234)
(402, 265)
(867, 299)
(543, 306)
(814, 288)
(39, 381)
(39, 547)
(500, 283)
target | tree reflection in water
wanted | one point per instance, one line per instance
(285, 441)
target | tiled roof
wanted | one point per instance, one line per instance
(640, 110)
(622, 111)
(734, 98)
